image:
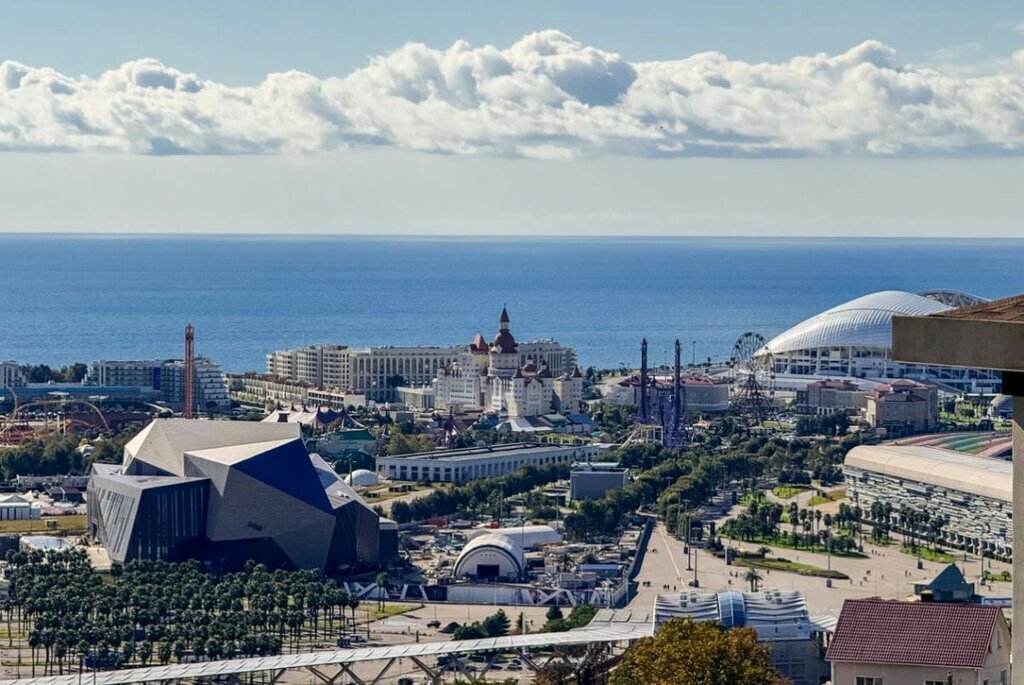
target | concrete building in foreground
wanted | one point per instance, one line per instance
(459, 465)
(226, 492)
(780, 619)
(976, 493)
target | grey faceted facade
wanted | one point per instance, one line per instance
(226, 492)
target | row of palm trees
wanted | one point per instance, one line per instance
(153, 611)
(917, 525)
(763, 521)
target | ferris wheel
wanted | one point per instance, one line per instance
(752, 370)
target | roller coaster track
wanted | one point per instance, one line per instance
(17, 416)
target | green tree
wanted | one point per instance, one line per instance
(687, 653)
(752, 577)
(497, 624)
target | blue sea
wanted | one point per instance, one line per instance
(79, 298)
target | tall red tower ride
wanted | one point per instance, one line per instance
(190, 371)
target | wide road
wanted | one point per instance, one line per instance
(886, 572)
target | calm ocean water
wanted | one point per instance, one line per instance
(68, 299)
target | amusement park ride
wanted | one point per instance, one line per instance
(59, 413)
(661, 409)
(53, 415)
(752, 376)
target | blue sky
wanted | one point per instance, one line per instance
(789, 118)
(240, 41)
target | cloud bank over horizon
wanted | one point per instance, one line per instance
(545, 96)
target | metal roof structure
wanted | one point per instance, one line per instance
(774, 614)
(346, 657)
(984, 476)
(863, 322)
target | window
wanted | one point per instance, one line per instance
(937, 682)
(868, 680)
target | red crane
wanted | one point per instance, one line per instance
(190, 371)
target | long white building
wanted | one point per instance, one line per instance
(459, 465)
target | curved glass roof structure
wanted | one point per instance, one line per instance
(862, 322)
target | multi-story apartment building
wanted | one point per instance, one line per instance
(11, 375)
(125, 374)
(166, 376)
(903, 406)
(830, 396)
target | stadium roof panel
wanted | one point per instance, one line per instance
(984, 476)
(862, 322)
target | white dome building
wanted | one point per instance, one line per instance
(855, 339)
(527, 537)
(362, 478)
(490, 556)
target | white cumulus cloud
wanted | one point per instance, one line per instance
(547, 96)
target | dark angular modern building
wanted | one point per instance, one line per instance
(225, 492)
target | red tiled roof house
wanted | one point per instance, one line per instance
(881, 642)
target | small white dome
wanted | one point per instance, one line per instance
(362, 477)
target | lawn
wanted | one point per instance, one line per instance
(817, 549)
(787, 491)
(929, 554)
(390, 610)
(73, 523)
(1002, 577)
(827, 496)
(788, 566)
(751, 497)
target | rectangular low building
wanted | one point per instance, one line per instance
(460, 465)
(594, 481)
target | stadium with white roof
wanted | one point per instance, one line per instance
(855, 339)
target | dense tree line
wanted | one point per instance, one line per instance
(678, 484)
(59, 455)
(42, 373)
(765, 521)
(154, 611)
(476, 495)
(687, 653)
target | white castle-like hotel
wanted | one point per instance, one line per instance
(531, 378)
(528, 379)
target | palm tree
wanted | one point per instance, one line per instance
(752, 577)
(382, 584)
